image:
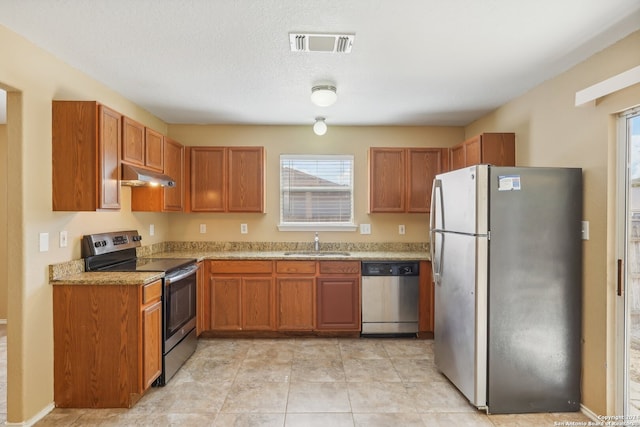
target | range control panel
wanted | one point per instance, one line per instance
(390, 268)
(103, 243)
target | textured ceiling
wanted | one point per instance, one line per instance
(414, 62)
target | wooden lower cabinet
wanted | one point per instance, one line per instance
(295, 303)
(426, 300)
(282, 296)
(241, 296)
(338, 302)
(107, 343)
(257, 304)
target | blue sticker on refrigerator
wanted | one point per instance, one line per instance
(509, 183)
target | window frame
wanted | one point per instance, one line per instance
(316, 226)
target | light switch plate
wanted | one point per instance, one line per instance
(152, 229)
(63, 239)
(44, 242)
(401, 229)
(365, 228)
(585, 230)
(203, 228)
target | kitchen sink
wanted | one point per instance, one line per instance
(317, 253)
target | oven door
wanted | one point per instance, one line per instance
(179, 305)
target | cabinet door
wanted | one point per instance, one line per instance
(151, 344)
(257, 304)
(387, 180)
(110, 140)
(426, 292)
(295, 303)
(246, 183)
(174, 167)
(499, 149)
(473, 153)
(132, 142)
(457, 157)
(423, 165)
(207, 175)
(226, 309)
(338, 302)
(154, 150)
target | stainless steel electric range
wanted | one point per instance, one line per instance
(116, 251)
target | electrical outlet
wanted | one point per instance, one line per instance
(203, 228)
(401, 229)
(244, 228)
(63, 239)
(365, 228)
(152, 229)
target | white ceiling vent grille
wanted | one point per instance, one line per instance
(329, 43)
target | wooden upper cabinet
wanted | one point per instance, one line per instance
(142, 146)
(387, 186)
(164, 199)
(226, 179)
(208, 189)
(246, 179)
(422, 167)
(400, 179)
(86, 141)
(498, 149)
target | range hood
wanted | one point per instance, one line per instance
(136, 177)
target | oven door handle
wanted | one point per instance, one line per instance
(181, 274)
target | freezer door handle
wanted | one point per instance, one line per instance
(620, 279)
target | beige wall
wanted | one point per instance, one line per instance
(301, 140)
(551, 131)
(34, 78)
(3, 223)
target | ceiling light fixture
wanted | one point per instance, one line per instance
(320, 127)
(323, 95)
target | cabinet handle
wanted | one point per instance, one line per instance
(620, 280)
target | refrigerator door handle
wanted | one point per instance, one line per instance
(437, 185)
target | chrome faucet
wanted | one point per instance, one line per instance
(316, 243)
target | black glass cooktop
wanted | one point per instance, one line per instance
(150, 264)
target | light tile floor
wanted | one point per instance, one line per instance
(305, 382)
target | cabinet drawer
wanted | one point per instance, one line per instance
(152, 292)
(339, 267)
(244, 267)
(296, 267)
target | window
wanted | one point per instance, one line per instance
(316, 192)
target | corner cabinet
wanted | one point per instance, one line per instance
(400, 178)
(86, 147)
(226, 179)
(107, 343)
(498, 149)
(164, 199)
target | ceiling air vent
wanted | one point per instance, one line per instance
(330, 43)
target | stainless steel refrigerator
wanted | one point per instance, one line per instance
(507, 267)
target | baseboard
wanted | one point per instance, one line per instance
(37, 417)
(593, 416)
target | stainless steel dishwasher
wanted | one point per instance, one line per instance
(390, 297)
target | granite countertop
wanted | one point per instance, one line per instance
(72, 272)
(108, 278)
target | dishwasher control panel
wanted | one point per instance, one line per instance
(390, 268)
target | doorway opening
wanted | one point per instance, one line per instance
(629, 258)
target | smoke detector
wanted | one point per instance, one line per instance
(328, 43)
